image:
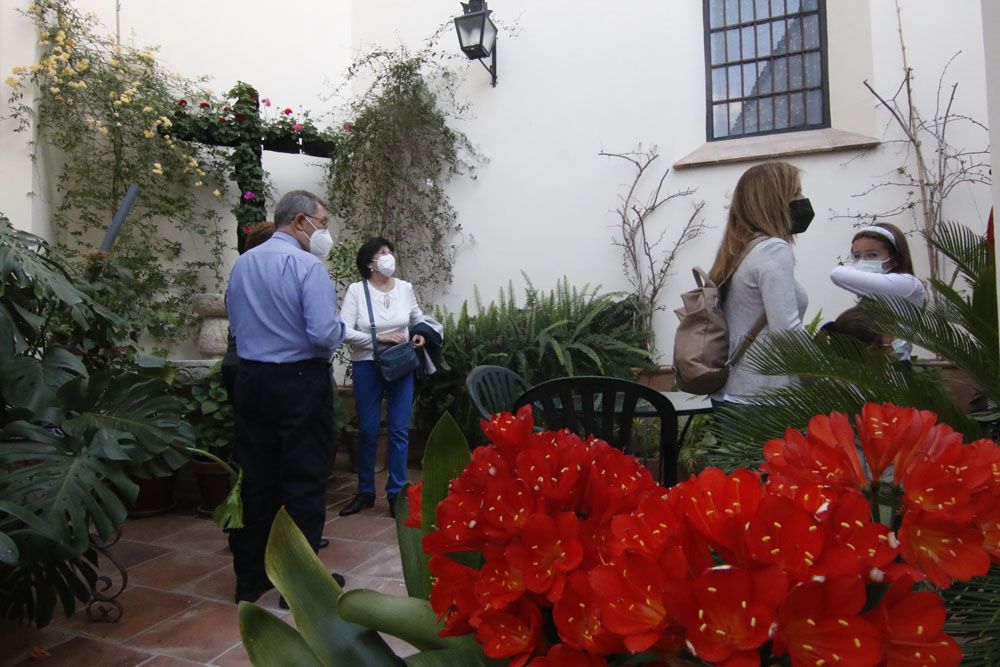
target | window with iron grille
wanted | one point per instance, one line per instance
(766, 69)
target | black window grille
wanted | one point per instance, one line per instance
(765, 66)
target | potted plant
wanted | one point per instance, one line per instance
(208, 410)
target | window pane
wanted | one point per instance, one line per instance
(777, 7)
(747, 38)
(746, 11)
(718, 83)
(780, 73)
(778, 37)
(732, 45)
(749, 79)
(718, 48)
(795, 34)
(749, 116)
(814, 107)
(798, 109)
(720, 121)
(764, 77)
(763, 40)
(732, 12)
(795, 72)
(813, 71)
(735, 118)
(735, 80)
(781, 112)
(792, 6)
(763, 9)
(809, 5)
(810, 31)
(715, 13)
(765, 117)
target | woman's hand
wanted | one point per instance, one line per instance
(392, 338)
(418, 341)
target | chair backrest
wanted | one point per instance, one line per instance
(606, 407)
(492, 389)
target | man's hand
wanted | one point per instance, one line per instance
(418, 341)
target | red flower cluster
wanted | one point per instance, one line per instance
(585, 558)
(950, 491)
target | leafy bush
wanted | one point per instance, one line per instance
(75, 427)
(567, 331)
(208, 409)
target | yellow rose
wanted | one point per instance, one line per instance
(82, 65)
(147, 109)
(17, 70)
(54, 90)
(148, 134)
(216, 193)
(11, 81)
(102, 129)
(198, 184)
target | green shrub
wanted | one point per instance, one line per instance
(567, 331)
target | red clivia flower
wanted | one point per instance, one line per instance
(458, 525)
(561, 655)
(826, 456)
(182, 103)
(578, 619)
(718, 507)
(548, 549)
(945, 549)
(649, 530)
(452, 594)
(511, 433)
(204, 105)
(913, 627)
(888, 432)
(818, 624)
(616, 483)
(507, 503)
(555, 469)
(413, 505)
(287, 111)
(987, 511)
(514, 632)
(856, 545)
(501, 580)
(247, 229)
(632, 591)
(727, 612)
(784, 534)
(487, 464)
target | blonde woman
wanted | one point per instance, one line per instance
(755, 261)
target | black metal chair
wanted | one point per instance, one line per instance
(606, 407)
(492, 389)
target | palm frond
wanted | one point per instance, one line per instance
(838, 374)
(964, 247)
(974, 618)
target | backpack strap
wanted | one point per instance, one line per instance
(758, 326)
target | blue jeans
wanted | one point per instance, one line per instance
(369, 392)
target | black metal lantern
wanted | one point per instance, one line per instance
(477, 35)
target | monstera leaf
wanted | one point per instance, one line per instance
(31, 383)
(125, 417)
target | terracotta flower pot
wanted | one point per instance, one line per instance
(156, 496)
(213, 485)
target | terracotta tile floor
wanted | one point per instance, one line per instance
(178, 603)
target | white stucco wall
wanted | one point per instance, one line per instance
(576, 78)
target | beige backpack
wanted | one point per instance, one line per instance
(701, 347)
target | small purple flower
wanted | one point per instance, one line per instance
(249, 195)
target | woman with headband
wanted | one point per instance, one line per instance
(881, 266)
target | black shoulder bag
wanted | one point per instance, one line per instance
(395, 362)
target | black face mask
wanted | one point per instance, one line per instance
(801, 213)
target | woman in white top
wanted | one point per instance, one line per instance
(881, 266)
(395, 309)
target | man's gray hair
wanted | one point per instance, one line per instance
(293, 203)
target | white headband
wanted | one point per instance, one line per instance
(881, 231)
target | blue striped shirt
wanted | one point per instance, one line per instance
(282, 304)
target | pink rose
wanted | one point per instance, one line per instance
(297, 128)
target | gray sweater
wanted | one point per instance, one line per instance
(763, 282)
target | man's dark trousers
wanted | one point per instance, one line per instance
(283, 415)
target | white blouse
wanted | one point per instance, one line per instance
(395, 311)
(900, 285)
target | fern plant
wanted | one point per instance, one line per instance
(566, 331)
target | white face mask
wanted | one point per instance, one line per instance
(320, 243)
(386, 265)
(871, 265)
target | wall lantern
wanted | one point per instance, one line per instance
(477, 35)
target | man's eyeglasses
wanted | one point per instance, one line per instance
(323, 222)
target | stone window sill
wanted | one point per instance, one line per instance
(772, 146)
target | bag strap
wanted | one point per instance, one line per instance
(758, 326)
(371, 320)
